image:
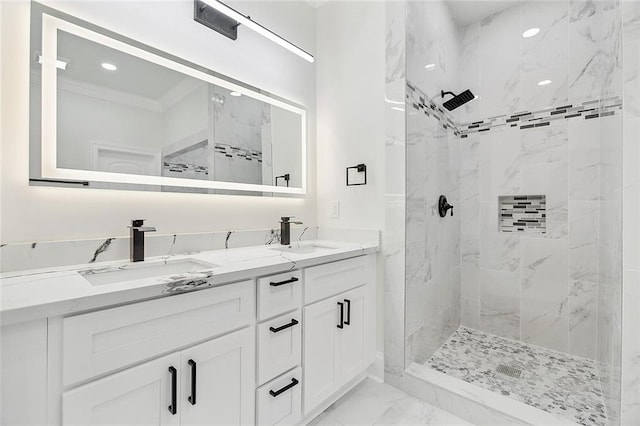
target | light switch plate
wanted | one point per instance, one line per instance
(335, 209)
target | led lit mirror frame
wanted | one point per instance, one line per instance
(46, 171)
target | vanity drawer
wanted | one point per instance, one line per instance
(279, 345)
(279, 402)
(279, 293)
(330, 279)
(110, 339)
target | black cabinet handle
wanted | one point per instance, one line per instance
(279, 283)
(341, 325)
(192, 397)
(173, 408)
(284, 327)
(284, 389)
(348, 320)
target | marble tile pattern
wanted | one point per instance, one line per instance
(36, 255)
(610, 267)
(393, 236)
(432, 242)
(373, 403)
(576, 49)
(549, 380)
(562, 161)
(63, 290)
(630, 410)
(560, 290)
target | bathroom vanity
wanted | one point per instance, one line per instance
(256, 335)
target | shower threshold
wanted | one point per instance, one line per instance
(494, 380)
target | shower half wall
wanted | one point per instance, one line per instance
(559, 289)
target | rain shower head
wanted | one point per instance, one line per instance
(457, 100)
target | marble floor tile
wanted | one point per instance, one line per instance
(551, 381)
(373, 403)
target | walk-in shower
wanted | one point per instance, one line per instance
(519, 293)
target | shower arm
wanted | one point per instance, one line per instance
(442, 93)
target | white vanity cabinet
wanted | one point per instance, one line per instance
(208, 384)
(140, 395)
(338, 327)
(272, 350)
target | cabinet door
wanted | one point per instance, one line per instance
(321, 351)
(138, 396)
(353, 358)
(224, 381)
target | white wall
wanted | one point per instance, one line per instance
(46, 213)
(350, 91)
(350, 97)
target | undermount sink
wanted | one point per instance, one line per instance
(137, 271)
(303, 249)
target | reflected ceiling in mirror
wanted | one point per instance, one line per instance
(107, 112)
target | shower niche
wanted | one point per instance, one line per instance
(523, 214)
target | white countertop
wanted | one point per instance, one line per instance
(32, 294)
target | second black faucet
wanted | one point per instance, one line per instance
(285, 229)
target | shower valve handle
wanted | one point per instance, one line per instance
(444, 206)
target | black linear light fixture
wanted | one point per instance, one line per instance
(225, 20)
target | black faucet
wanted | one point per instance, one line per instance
(285, 230)
(137, 239)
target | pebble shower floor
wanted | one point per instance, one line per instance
(552, 381)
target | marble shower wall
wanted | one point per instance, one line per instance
(393, 237)
(607, 17)
(432, 169)
(575, 49)
(630, 412)
(433, 243)
(541, 290)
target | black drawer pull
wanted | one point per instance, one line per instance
(341, 325)
(279, 283)
(192, 397)
(284, 389)
(284, 327)
(348, 320)
(173, 408)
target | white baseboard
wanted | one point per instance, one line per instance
(376, 370)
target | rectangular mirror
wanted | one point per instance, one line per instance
(108, 112)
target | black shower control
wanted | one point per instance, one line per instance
(444, 206)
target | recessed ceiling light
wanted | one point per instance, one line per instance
(430, 66)
(109, 67)
(530, 32)
(60, 64)
(236, 94)
(544, 82)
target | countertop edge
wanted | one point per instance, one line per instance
(82, 304)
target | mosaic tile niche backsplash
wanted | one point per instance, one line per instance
(523, 213)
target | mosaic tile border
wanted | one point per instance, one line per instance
(523, 213)
(424, 103)
(525, 120)
(530, 119)
(184, 168)
(236, 152)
